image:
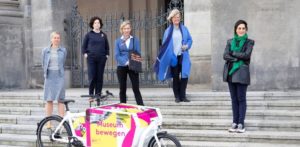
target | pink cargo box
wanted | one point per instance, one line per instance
(117, 125)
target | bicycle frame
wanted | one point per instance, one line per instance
(139, 141)
(68, 118)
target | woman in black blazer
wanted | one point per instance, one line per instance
(236, 72)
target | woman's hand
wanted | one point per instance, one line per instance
(85, 55)
(184, 47)
(136, 57)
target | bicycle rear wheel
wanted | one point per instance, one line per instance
(47, 127)
(165, 140)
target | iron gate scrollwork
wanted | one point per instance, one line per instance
(147, 26)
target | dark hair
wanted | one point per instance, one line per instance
(238, 23)
(93, 19)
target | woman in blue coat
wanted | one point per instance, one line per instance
(122, 47)
(173, 60)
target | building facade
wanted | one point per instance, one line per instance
(25, 26)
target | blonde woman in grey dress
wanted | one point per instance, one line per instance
(53, 60)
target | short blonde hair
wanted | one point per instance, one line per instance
(123, 24)
(54, 33)
(172, 14)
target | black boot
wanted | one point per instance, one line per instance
(185, 100)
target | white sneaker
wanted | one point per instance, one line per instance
(233, 128)
(241, 128)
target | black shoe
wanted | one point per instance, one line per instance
(57, 136)
(186, 100)
(177, 100)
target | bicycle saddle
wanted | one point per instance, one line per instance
(67, 101)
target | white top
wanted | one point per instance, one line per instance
(127, 42)
(177, 38)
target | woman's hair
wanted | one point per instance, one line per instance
(54, 33)
(93, 19)
(238, 23)
(123, 24)
(172, 14)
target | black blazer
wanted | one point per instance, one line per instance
(242, 75)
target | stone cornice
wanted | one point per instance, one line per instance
(11, 13)
(201, 57)
(10, 8)
(8, 4)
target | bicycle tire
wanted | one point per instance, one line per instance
(44, 139)
(164, 137)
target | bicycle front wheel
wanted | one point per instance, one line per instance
(165, 140)
(47, 127)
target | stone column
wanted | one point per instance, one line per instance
(47, 16)
(12, 61)
(197, 18)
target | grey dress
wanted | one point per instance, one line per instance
(53, 65)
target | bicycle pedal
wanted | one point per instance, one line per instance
(57, 136)
(77, 143)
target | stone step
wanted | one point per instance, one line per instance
(227, 114)
(200, 136)
(224, 124)
(163, 93)
(31, 143)
(24, 129)
(9, 146)
(188, 124)
(248, 136)
(178, 113)
(232, 144)
(273, 118)
(18, 140)
(282, 104)
(193, 97)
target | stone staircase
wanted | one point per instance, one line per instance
(273, 118)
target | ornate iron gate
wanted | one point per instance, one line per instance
(147, 26)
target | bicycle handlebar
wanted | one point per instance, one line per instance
(98, 97)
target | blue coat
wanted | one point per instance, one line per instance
(62, 54)
(166, 57)
(121, 51)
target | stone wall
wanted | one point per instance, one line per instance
(273, 24)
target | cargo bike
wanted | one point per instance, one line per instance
(112, 125)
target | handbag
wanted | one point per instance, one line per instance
(135, 60)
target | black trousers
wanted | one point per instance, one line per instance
(122, 72)
(179, 84)
(238, 101)
(95, 74)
